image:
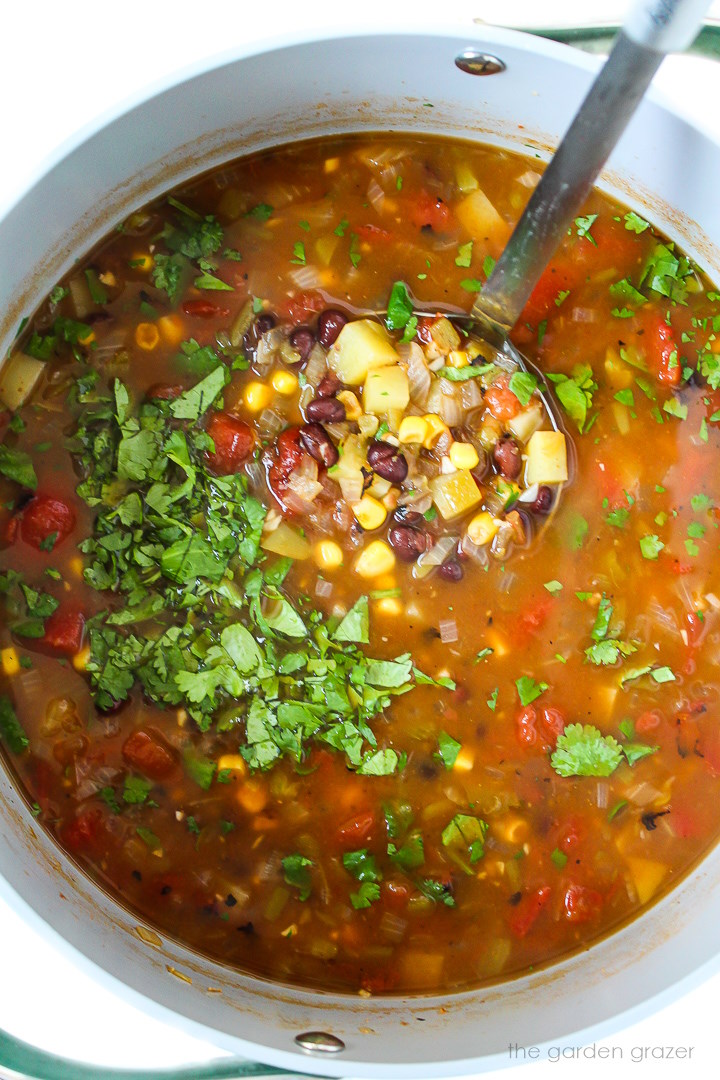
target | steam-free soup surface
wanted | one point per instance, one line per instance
(324, 647)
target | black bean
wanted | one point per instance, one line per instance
(263, 323)
(318, 444)
(507, 457)
(330, 324)
(328, 385)
(326, 410)
(406, 516)
(387, 461)
(543, 500)
(408, 543)
(451, 570)
(302, 339)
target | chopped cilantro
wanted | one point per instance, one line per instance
(448, 749)
(583, 751)
(651, 546)
(529, 690)
(296, 870)
(464, 255)
(400, 309)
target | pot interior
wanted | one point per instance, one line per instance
(388, 82)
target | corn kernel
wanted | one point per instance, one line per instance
(80, 659)
(328, 555)
(482, 528)
(332, 164)
(463, 455)
(457, 359)
(353, 410)
(285, 383)
(108, 278)
(257, 396)
(376, 559)
(369, 513)
(171, 329)
(413, 429)
(233, 762)
(76, 566)
(435, 428)
(513, 829)
(465, 760)
(147, 336)
(9, 661)
(389, 605)
(142, 261)
(253, 796)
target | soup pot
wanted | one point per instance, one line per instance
(272, 94)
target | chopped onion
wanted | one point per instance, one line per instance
(255, 474)
(303, 486)
(436, 556)
(602, 791)
(306, 277)
(352, 488)
(470, 394)
(268, 347)
(478, 553)
(323, 587)
(444, 399)
(529, 179)
(392, 926)
(376, 196)
(713, 600)
(418, 374)
(270, 423)
(642, 794)
(529, 495)
(584, 315)
(448, 631)
(316, 365)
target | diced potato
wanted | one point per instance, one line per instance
(647, 874)
(386, 388)
(526, 422)
(619, 375)
(622, 417)
(361, 346)
(18, 378)
(465, 177)
(325, 248)
(481, 219)
(421, 969)
(454, 494)
(286, 541)
(546, 458)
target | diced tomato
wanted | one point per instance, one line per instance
(289, 453)
(147, 753)
(64, 630)
(205, 309)
(526, 913)
(84, 832)
(552, 722)
(395, 895)
(165, 391)
(46, 522)
(525, 726)
(582, 904)
(571, 833)
(425, 210)
(373, 234)
(685, 818)
(676, 566)
(379, 982)
(234, 442)
(531, 620)
(695, 628)
(357, 831)
(501, 401)
(662, 349)
(556, 278)
(301, 307)
(610, 487)
(614, 246)
(647, 721)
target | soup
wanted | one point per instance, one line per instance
(329, 647)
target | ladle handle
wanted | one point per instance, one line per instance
(652, 29)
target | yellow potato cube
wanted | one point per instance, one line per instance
(376, 559)
(9, 661)
(546, 458)
(18, 378)
(647, 875)
(478, 215)
(454, 494)
(361, 346)
(386, 388)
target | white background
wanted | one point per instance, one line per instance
(62, 64)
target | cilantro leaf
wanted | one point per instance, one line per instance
(296, 870)
(529, 690)
(400, 307)
(136, 790)
(361, 865)
(355, 625)
(467, 833)
(523, 385)
(17, 465)
(583, 751)
(448, 749)
(11, 730)
(194, 402)
(651, 546)
(575, 393)
(366, 895)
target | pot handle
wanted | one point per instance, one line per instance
(599, 37)
(24, 1060)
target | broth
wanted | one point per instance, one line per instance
(320, 667)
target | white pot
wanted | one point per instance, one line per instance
(387, 81)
